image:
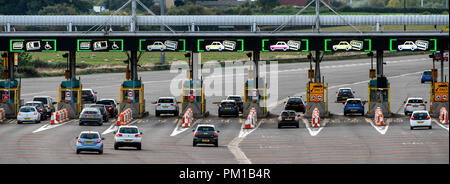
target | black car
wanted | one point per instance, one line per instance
(102, 110)
(88, 95)
(288, 118)
(296, 104)
(206, 134)
(238, 100)
(228, 107)
(343, 94)
(110, 105)
(40, 107)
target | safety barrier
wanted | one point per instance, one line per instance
(378, 117)
(188, 118)
(251, 120)
(443, 116)
(2, 114)
(315, 121)
(59, 116)
(125, 117)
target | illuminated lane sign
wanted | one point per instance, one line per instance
(220, 45)
(292, 45)
(162, 45)
(339, 45)
(44, 45)
(413, 44)
(110, 45)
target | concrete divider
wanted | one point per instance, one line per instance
(2, 115)
(378, 117)
(59, 116)
(252, 119)
(315, 120)
(125, 117)
(443, 116)
(188, 118)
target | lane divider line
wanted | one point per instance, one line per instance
(440, 124)
(179, 129)
(50, 126)
(381, 129)
(313, 131)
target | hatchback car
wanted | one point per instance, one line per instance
(167, 105)
(295, 103)
(128, 136)
(420, 119)
(206, 134)
(91, 115)
(103, 111)
(353, 105)
(288, 118)
(343, 94)
(28, 114)
(40, 107)
(89, 95)
(414, 104)
(228, 107)
(110, 105)
(238, 100)
(89, 141)
(427, 76)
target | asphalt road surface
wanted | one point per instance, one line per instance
(341, 139)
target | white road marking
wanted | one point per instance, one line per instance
(441, 125)
(381, 129)
(178, 129)
(113, 126)
(314, 131)
(50, 126)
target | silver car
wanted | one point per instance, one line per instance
(414, 104)
(167, 105)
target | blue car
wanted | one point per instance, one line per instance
(426, 76)
(90, 141)
(228, 107)
(354, 106)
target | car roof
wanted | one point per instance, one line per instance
(206, 125)
(28, 106)
(223, 101)
(34, 102)
(90, 109)
(288, 111)
(42, 97)
(106, 99)
(344, 88)
(420, 112)
(128, 126)
(415, 98)
(233, 96)
(167, 97)
(295, 97)
(354, 99)
(92, 132)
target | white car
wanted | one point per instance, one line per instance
(100, 45)
(343, 45)
(128, 136)
(408, 45)
(279, 46)
(420, 119)
(33, 45)
(215, 46)
(28, 114)
(157, 46)
(167, 105)
(414, 104)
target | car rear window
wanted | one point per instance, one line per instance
(105, 102)
(168, 100)
(235, 98)
(43, 100)
(353, 101)
(86, 92)
(34, 104)
(294, 100)
(128, 130)
(27, 109)
(287, 114)
(205, 129)
(89, 136)
(345, 91)
(415, 101)
(227, 104)
(90, 112)
(427, 73)
(420, 116)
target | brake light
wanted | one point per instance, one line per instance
(109, 108)
(301, 104)
(345, 105)
(119, 135)
(422, 105)
(279, 118)
(35, 113)
(220, 106)
(195, 134)
(296, 118)
(338, 94)
(40, 110)
(412, 118)
(362, 105)
(351, 94)
(428, 117)
(99, 140)
(215, 134)
(158, 104)
(408, 104)
(287, 105)
(173, 104)
(138, 135)
(91, 94)
(79, 140)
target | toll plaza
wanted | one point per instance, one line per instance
(10, 86)
(438, 90)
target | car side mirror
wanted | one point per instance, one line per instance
(404, 101)
(103, 138)
(76, 137)
(425, 101)
(114, 132)
(218, 131)
(95, 92)
(142, 133)
(193, 130)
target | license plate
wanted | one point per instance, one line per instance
(420, 122)
(288, 119)
(415, 106)
(90, 116)
(353, 110)
(205, 140)
(27, 118)
(128, 140)
(88, 142)
(166, 107)
(227, 107)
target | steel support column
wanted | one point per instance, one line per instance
(133, 65)
(317, 76)
(72, 64)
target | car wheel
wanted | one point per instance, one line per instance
(100, 152)
(19, 122)
(298, 125)
(156, 114)
(116, 147)
(412, 128)
(216, 144)
(176, 113)
(194, 144)
(279, 126)
(345, 114)
(430, 127)
(219, 114)
(406, 114)
(138, 147)
(78, 151)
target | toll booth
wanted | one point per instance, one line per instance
(69, 96)
(438, 97)
(131, 96)
(11, 102)
(193, 96)
(317, 96)
(379, 96)
(255, 98)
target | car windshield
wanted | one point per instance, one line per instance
(235, 98)
(165, 100)
(353, 102)
(420, 116)
(89, 136)
(415, 101)
(128, 130)
(287, 114)
(43, 100)
(294, 100)
(205, 129)
(27, 109)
